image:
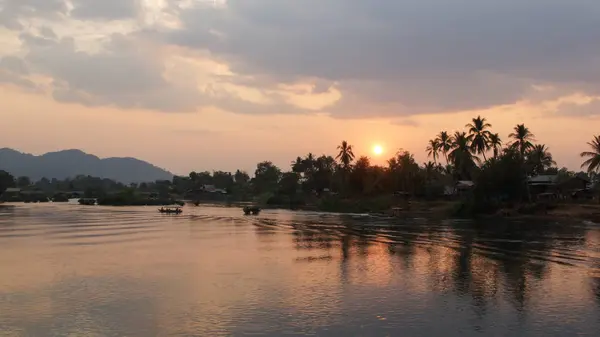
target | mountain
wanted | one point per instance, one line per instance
(70, 163)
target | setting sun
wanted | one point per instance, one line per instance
(377, 150)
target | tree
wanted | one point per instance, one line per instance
(500, 179)
(522, 139)
(6, 181)
(322, 176)
(539, 159)
(266, 177)
(404, 171)
(445, 144)
(359, 175)
(288, 185)
(223, 180)
(593, 157)
(298, 165)
(433, 149)
(241, 177)
(345, 155)
(495, 143)
(461, 156)
(479, 135)
(23, 182)
(431, 171)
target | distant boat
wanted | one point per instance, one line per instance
(251, 210)
(87, 201)
(170, 210)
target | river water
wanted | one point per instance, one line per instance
(70, 270)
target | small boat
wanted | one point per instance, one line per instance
(87, 201)
(251, 210)
(170, 210)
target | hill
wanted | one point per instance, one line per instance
(70, 163)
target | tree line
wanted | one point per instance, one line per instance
(499, 170)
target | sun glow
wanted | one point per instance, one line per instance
(377, 150)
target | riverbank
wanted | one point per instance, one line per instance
(556, 211)
(392, 206)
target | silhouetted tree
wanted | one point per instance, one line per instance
(593, 157)
(479, 135)
(6, 181)
(266, 177)
(522, 139)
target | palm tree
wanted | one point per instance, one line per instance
(593, 161)
(461, 155)
(495, 143)
(444, 144)
(479, 135)
(433, 149)
(430, 169)
(522, 139)
(345, 156)
(539, 158)
(298, 165)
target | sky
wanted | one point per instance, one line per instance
(224, 84)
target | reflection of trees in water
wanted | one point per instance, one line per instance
(520, 252)
(596, 286)
(469, 259)
(309, 237)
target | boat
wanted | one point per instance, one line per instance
(87, 201)
(170, 210)
(251, 210)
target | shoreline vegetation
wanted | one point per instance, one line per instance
(470, 174)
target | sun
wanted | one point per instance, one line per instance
(377, 150)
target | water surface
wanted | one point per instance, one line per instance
(100, 271)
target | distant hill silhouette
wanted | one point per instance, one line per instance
(70, 163)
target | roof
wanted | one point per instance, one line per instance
(543, 179)
(465, 183)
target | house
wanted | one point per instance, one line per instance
(464, 185)
(574, 184)
(542, 184)
(459, 187)
(213, 189)
(10, 194)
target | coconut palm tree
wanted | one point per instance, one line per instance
(593, 161)
(430, 169)
(345, 156)
(479, 135)
(522, 139)
(444, 144)
(495, 143)
(539, 159)
(433, 149)
(461, 155)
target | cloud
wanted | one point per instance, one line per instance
(406, 122)
(13, 11)
(104, 9)
(348, 58)
(125, 73)
(14, 71)
(589, 109)
(406, 57)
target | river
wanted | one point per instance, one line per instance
(70, 270)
